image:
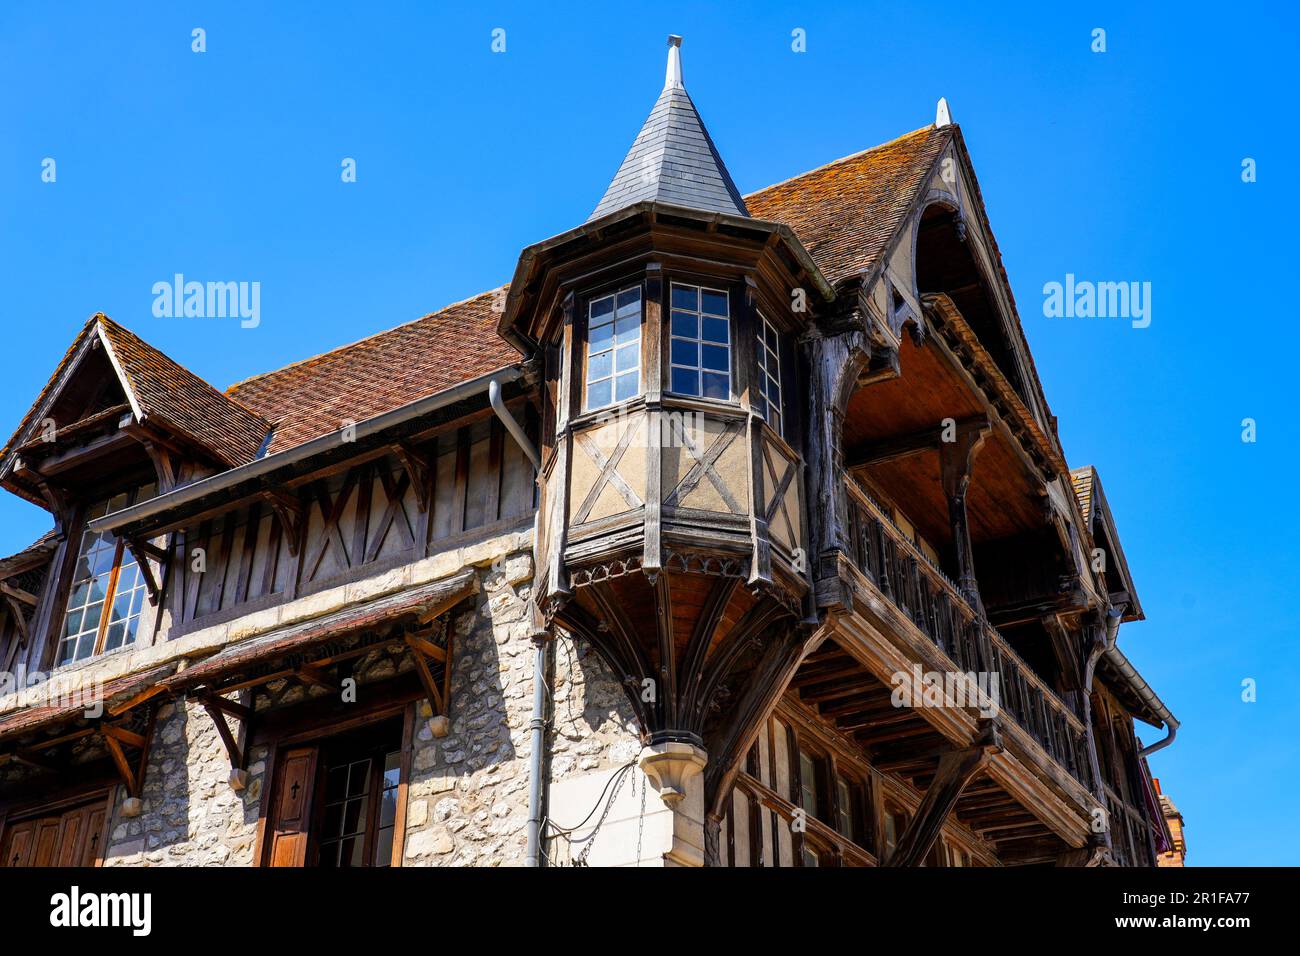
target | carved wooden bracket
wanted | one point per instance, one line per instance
(116, 739)
(956, 769)
(426, 653)
(142, 551)
(956, 459)
(218, 709)
(56, 499)
(20, 626)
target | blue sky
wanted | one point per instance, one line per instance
(1123, 165)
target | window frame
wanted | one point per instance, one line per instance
(763, 375)
(376, 757)
(123, 559)
(612, 291)
(670, 336)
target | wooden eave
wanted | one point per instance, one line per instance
(1101, 513)
(629, 235)
(958, 339)
(285, 651)
(22, 728)
(891, 435)
(190, 504)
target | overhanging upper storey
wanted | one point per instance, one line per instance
(645, 231)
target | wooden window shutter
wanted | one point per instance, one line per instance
(92, 853)
(18, 844)
(291, 807)
(47, 841)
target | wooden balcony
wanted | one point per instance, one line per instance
(1129, 834)
(927, 597)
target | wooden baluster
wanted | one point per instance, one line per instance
(886, 575)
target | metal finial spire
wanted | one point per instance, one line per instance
(942, 117)
(673, 75)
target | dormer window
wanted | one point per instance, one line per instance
(108, 591)
(768, 401)
(614, 348)
(701, 343)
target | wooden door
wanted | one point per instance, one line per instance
(290, 822)
(18, 844)
(70, 838)
(47, 841)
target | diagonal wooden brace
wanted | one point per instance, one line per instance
(425, 652)
(956, 769)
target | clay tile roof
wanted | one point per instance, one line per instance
(35, 554)
(173, 396)
(164, 392)
(316, 396)
(846, 212)
(1082, 479)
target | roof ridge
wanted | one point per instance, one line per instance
(844, 159)
(365, 338)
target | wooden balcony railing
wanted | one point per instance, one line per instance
(1130, 843)
(934, 604)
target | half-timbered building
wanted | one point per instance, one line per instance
(733, 531)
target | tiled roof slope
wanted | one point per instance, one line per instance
(379, 373)
(673, 160)
(164, 390)
(846, 212)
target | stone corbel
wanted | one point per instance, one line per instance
(670, 767)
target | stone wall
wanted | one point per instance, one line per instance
(468, 799)
(189, 815)
(468, 793)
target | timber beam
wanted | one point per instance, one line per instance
(426, 655)
(218, 708)
(17, 594)
(904, 446)
(289, 510)
(956, 459)
(116, 738)
(418, 468)
(142, 551)
(956, 769)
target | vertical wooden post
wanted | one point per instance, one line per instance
(955, 461)
(655, 339)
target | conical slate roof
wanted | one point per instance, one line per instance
(673, 159)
